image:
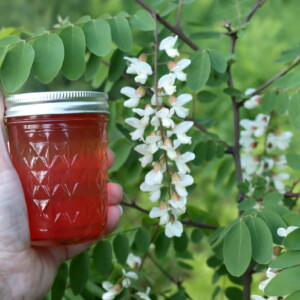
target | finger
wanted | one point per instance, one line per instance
(5, 161)
(110, 158)
(114, 193)
(114, 213)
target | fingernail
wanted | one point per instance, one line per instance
(121, 209)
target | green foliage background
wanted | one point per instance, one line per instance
(273, 30)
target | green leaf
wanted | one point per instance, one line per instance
(98, 37)
(206, 97)
(281, 103)
(199, 70)
(201, 152)
(143, 20)
(16, 66)
(9, 40)
(117, 65)
(122, 148)
(261, 240)
(246, 204)
(272, 198)
(233, 92)
(197, 235)
(92, 67)
(49, 56)
(121, 248)
(293, 161)
(292, 240)
(162, 244)
(284, 283)
(102, 256)
(3, 51)
(233, 293)
(292, 219)
(181, 243)
(60, 283)
(286, 260)
(268, 102)
(142, 241)
(211, 150)
(79, 272)
(274, 221)
(294, 296)
(294, 111)
(218, 61)
(74, 44)
(237, 249)
(121, 33)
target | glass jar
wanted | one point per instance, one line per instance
(57, 143)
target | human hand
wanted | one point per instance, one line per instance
(27, 273)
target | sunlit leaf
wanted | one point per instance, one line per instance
(218, 61)
(143, 20)
(286, 260)
(49, 56)
(16, 66)
(237, 258)
(98, 37)
(74, 45)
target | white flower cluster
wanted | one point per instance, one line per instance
(113, 290)
(155, 127)
(254, 133)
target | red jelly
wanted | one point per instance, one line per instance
(61, 160)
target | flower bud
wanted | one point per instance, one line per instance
(117, 287)
(163, 205)
(175, 196)
(156, 167)
(172, 99)
(140, 91)
(171, 65)
(142, 57)
(175, 177)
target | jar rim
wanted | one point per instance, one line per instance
(56, 102)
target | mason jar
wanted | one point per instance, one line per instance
(57, 143)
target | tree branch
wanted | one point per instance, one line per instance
(271, 80)
(172, 28)
(257, 5)
(200, 225)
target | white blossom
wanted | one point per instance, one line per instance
(254, 101)
(284, 232)
(173, 228)
(139, 125)
(111, 290)
(163, 117)
(133, 261)
(181, 181)
(249, 163)
(144, 296)
(140, 68)
(155, 176)
(126, 282)
(247, 142)
(279, 140)
(178, 206)
(168, 44)
(167, 83)
(153, 189)
(161, 212)
(181, 161)
(180, 131)
(278, 181)
(177, 104)
(133, 94)
(170, 148)
(270, 275)
(257, 127)
(280, 162)
(148, 149)
(177, 68)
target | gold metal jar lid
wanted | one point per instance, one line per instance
(60, 102)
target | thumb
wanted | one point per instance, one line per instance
(5, 161)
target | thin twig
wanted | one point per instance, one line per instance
(135, 206)
(276, 76)
(257, 5)
(200, 225)
(172, 28)
(179, 12)
(165, 272)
